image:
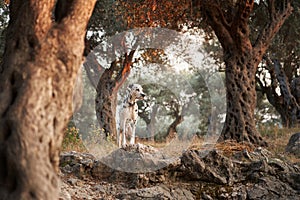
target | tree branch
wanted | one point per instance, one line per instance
(271, 9)
(125, 71)
(215, 18)
(270, 91)
(239, 27)
(277, 19)
(283, 83)
(41, 17)
(74, 23)
(289, 100)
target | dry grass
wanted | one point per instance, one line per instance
(277, 139)
(227, 147)
(231, 146)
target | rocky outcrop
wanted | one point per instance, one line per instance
(293, 145)
(194, 175)
(245, 175)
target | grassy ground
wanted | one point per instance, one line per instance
(276, 137)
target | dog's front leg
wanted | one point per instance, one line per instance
(121, 136)
(118, 137)
(124, 134)
(132, 139)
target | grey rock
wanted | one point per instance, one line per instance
(72, 181)
(137, 158)
(160, 192)
(195, 175)
(293, 145)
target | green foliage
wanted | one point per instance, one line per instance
(72, 140)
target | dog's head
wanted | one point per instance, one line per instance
(136, 91)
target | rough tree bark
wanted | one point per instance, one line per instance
(40, 64)
(241, 58)
(289, 114)
(107, 89)
(295, 89)
(286, 103)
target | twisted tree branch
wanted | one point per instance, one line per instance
(277, 19)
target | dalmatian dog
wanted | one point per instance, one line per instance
(128, 114)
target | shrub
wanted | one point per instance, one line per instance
(72, 140)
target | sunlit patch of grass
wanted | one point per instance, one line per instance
(196, 143)
(97, 143)
(230, 146)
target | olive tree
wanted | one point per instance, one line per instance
(43, 52)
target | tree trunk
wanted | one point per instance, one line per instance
(295, 89)
(241, 100)
(289, 114)
(285, 103)
(41, 61)
(107, 90)
(106, 102)
(172, 133)
(241, 59)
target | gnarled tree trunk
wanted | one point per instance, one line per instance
(41, 61)
(241, 99)
(291, 107)
(242, 58)
(287, 102)
(106, 102)
(107, 89)
(172, 132)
